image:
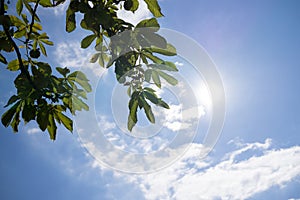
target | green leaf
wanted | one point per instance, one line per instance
(19, 6)
(156, 79)
(37, 26)
(13, 65)
(147, 109)
(149, 89)
(47, 42)
(79, 104)
(44, 68)
(132, 117)
(12, 100)
(168, 78)
(8, 115)
(163, 104)
(15, 123)
(168, 66)
(3, 59)
(81, 79)
(129, 91)
(170, 50)
(151, 96)
(20, 33)
(29, 112)
(70, 20)
(94, 58)
(155, 59)
(63, 71)
(78, 74)
(148, 23)
(66, 121)
(154, 8)
(43, 49)
(52, 127)
(45, 3)
(86, 42)
(155, 39)
(147, 75)
(42, 118)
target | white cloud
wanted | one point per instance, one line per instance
(137, 16)
(72, 55)
(33, 130)
(61, 9)
(192, 178)
(180, 64)
(177, 119)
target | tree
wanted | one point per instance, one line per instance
(49, 97)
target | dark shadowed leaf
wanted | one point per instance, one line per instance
(132, 117)
(12, 100)
(8, 115)
(28, 112)
(42, 118)
(86, 42)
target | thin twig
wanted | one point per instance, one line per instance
(32, 21)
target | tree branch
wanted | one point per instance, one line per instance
(32, 21)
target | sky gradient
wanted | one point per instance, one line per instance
(256, 48)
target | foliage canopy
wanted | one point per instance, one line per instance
(41, 95)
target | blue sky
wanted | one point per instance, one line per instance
(256, 48)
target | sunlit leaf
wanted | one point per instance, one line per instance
(168, 78)
(19, 6)
(45, 3)
(156, 79)
(52, 127)
(170, 50)
(66, 121)
(3, 59)
(154, 8)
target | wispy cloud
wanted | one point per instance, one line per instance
(33, 130)
(69, 54)
(61, 9)
(191, 178)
